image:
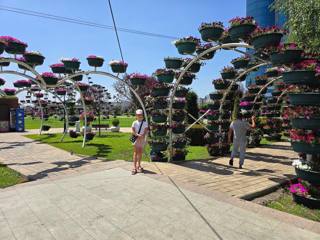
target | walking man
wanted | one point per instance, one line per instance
(239, 128)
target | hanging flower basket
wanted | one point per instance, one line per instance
(22, 83)
(305, 99)
(179, 143)
(272, 72)
(58, 68)
(2, 46)
(61, 91)
(306, 123)
(178, 104)
(234, 87)
(213, 117)
(187, 45)
(304, 77)
(45, 128)
(95, 61)
(307, 201)
(266, 37)
(77, 78)
(181, 92)
(173, 63)
(303, 147)
(186, 79)
(246, 105)
(178, 116)
(137, 79)
(211, 31)
(253, 90)
(34, 58)
(214, 105)
(287, 57)
(159, 118)
(13, 45)
(159, 130)
(90, 136)
(9, 91)
(195, 67)
(164, 75)
(276, 93)
(22, 59)
(249, 98)
(308, 175)
(178, 128)
(73, 134)
(228, 73)
(213, 127)
(72, 64)
(241, 62)
(216, 96)
(50, 78)
(201, 48)
(2, 82)
(158, 146)
(160, 91)
(160, 104)
(241, 31)
(4, 64)
(118, 66)
(261, 80)
(221, 84)
(83, 86)
(225, 38)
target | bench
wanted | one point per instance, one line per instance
(96, 126)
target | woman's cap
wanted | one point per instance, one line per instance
(139, 112)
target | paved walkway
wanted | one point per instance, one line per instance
(85, 198)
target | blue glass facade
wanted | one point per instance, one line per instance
(260, 10)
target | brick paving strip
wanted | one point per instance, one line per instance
(86, 198)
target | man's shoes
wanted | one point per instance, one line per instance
(240, 166)
(231, 162)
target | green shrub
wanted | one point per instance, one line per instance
(115, 122)
(196, 135)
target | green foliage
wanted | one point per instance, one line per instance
(196, 135)
(9, 177)
(115, 122)
(303, 21)
(192, 106)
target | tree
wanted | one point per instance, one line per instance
(192, 106)
(303, 21)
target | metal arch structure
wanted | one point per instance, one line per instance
(105, 74)
(228, 46)
(46, 90)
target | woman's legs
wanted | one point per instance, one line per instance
(139, 157)
(135, 150)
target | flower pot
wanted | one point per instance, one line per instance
(247, 107)
(34, 59)
(253, 90)
(89, 136)
(249, 98)
(307, 201)
(179, 157)
(299, 77)
(173, 63)
(159, 118)
(165, 78)
(71, 65)
(73, 134)
(2, 47)
(287, 57)
(178, 105)
(234, 87)
(216, 96)
(242, 63)
(221, 86)
(181, 144)
(241, 31)
(178, 117)
(83, 88)
(158, 147)
(266, 40)
(304, 123)
(118, 68)
(95, 62)
(186, 47)
(58, 69)
(160, 105)
(178, 129)
(161, 132)
(186, 80)
(212, 117)
(160, 92)
(276, 93)
(213, 151)
(308, 175)
(261, 82)
(4, 64)
(302, 147)
(273, 73)
(181, 93)
(137, 81)
(50, 80)
(15, 48)
(195, 67)
(21, 85)
(214, 106)
(77, 78)
(305, 99)
(213, 128)
(207, 56)
(210, 34)
(228, 75)
(45, 128)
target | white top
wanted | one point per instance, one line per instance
(240, 129)
(136, 126)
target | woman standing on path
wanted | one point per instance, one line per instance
(139, 134)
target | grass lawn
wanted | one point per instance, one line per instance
(111, 146)
(55, 123)
(286, 204)
(9, 177)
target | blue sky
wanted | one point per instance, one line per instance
(144, 54)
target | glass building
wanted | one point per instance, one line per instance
(260, 10)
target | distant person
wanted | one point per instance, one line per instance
(239, 129)
(139, 134)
